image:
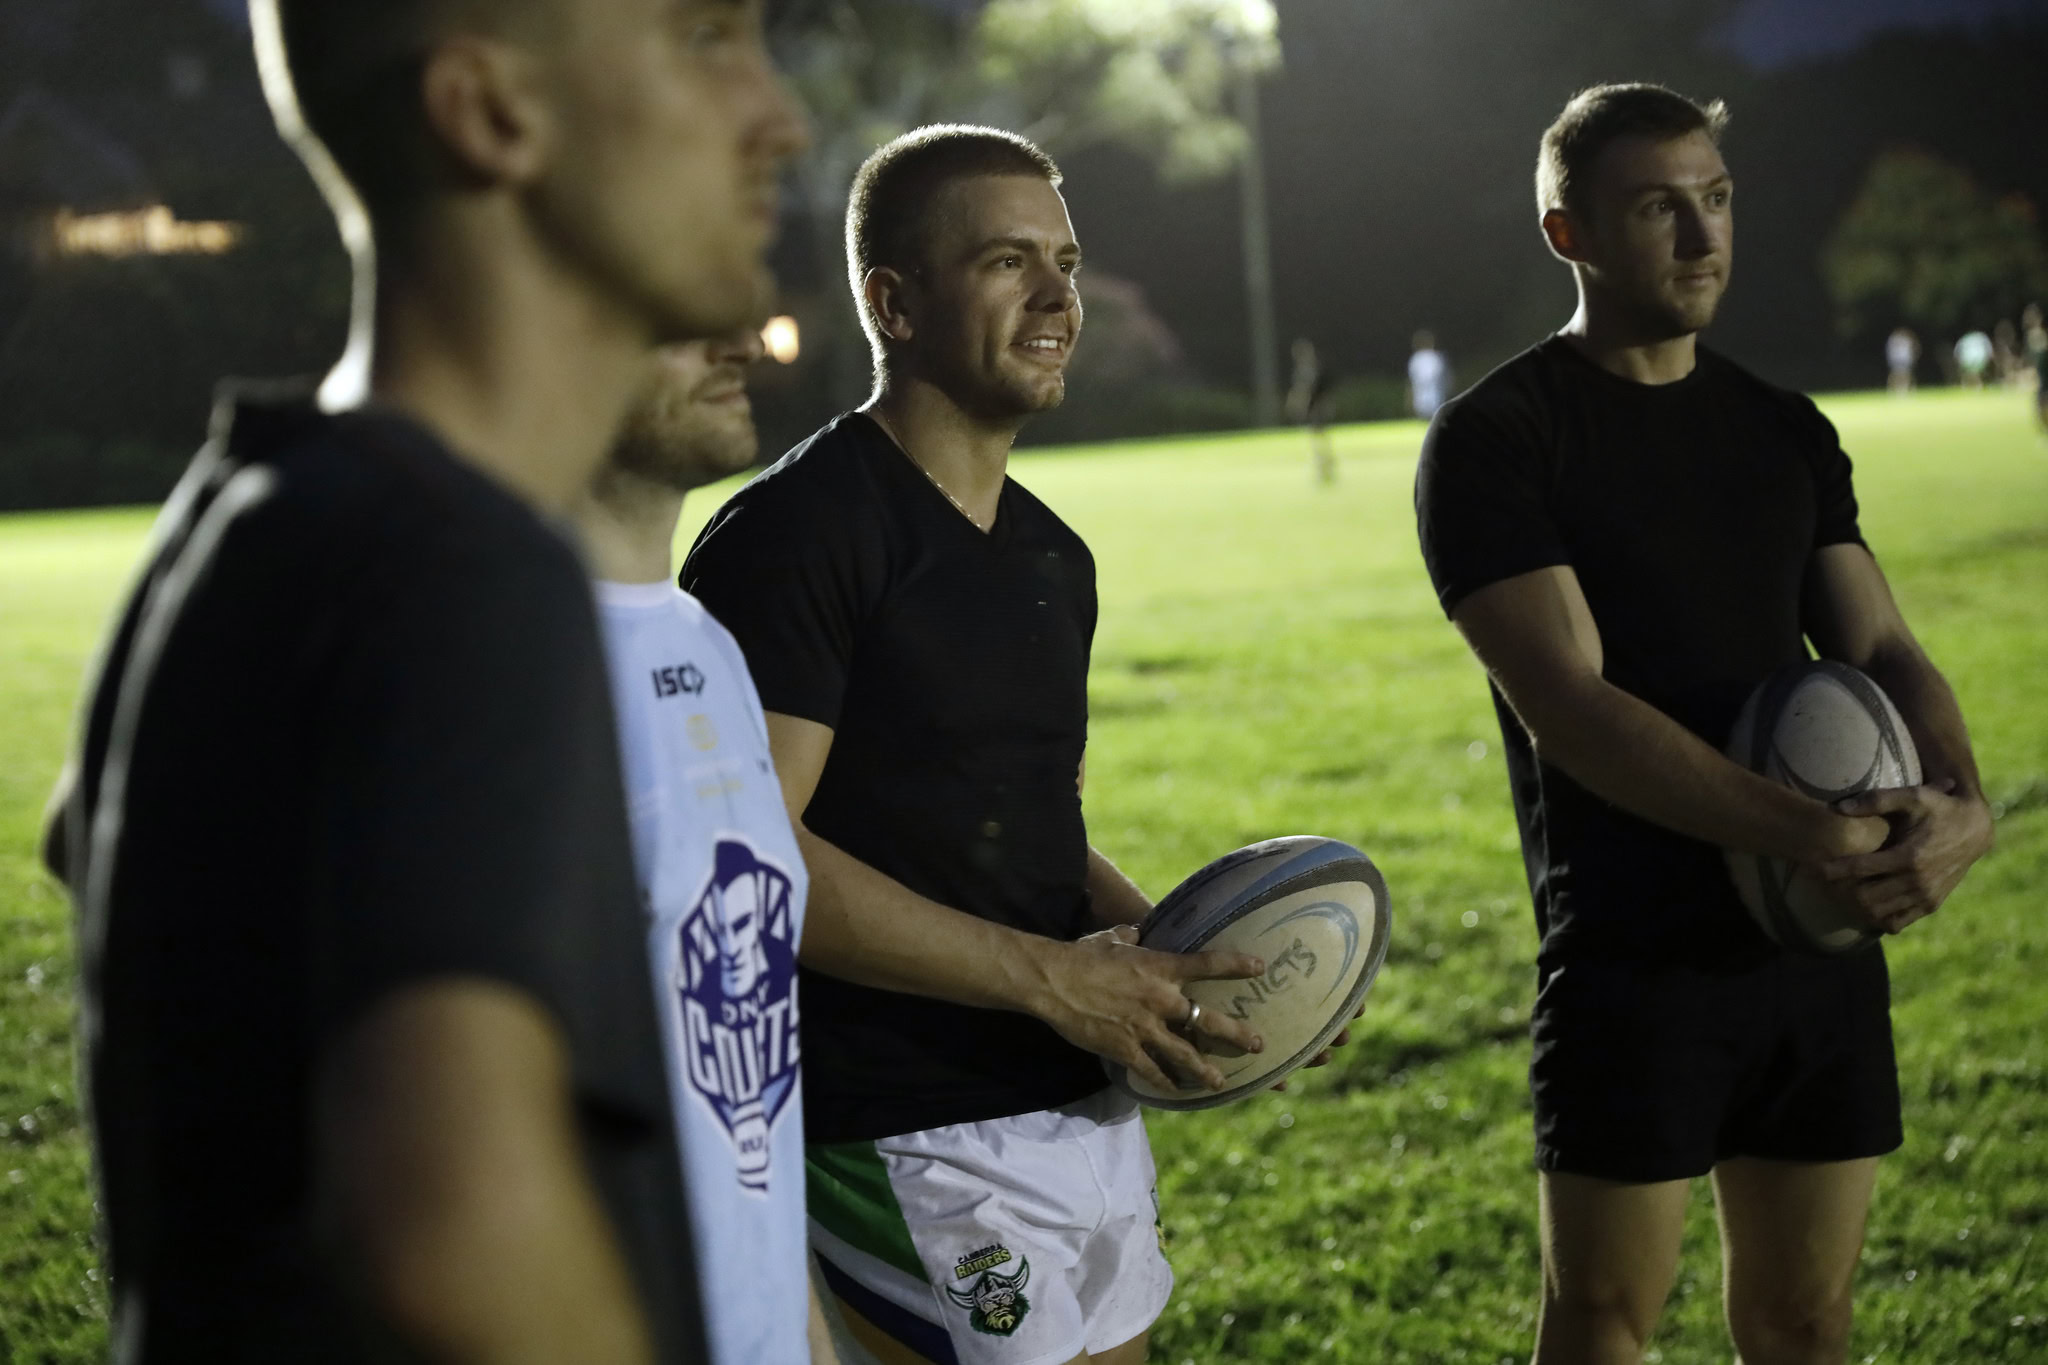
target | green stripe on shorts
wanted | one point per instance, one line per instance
(847, 1185)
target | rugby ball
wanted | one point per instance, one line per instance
(1315, 910)
(1827, 730)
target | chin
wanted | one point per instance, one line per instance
(714, 304)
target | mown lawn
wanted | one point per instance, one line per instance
(1270, 661)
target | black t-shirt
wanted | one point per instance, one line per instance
(952, 668)
(1689, 512)
(352, 732)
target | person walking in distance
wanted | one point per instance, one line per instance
(1429, 376)
(1901, 354)
(1308, 402)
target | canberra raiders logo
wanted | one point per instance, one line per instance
(736, 976)
(995, 1303)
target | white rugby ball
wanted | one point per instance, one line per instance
(1315, 910)
(1825, 729)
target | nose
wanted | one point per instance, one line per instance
(784, 133)
(1698, 233)
(741, 348)
(1055, 292)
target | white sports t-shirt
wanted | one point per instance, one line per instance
(724, 886)
(1426, 373)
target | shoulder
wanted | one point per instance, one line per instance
(373, 509)
(823, 493)
(1789, 409)
(1512, 411)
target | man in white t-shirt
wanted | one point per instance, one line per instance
(723, 881)
(1428, 376)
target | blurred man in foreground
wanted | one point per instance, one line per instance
(718, 862)
(370, 1054)
(919, 626)
(1632, 532)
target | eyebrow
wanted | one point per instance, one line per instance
(1068, 252)
(1667, 186)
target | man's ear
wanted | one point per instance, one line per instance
(1567, 241)
(485, 112)
(885, 290)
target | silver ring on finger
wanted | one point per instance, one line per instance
(1194, 1018)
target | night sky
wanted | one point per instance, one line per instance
(1766, 32)
(1772, 33)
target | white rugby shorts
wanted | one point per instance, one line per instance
(1015, 1241)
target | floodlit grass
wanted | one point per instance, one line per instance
(1271, 661)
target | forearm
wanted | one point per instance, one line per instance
(1113, 898)
(452, 1187)
(1624, 750)
(866, 927)
(1932, 715)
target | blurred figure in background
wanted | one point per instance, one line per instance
(1973, 357)
(1429, 375)
(1901, 354)
(1308, 402)
(2006, 361)
(2036, 336)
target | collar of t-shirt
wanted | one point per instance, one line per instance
(636, 595)
(1571, 355)
(927, 490)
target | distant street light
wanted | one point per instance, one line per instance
(779, 338)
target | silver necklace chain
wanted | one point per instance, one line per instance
(932, 478)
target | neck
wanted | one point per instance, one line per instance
(628, 527)
(1620, 345)
(512, 361)
(968, 455)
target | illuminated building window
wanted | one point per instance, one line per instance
(152, 231)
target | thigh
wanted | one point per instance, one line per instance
(931, 1252)
(1131, 1352)
(1791, 1231)
(1825, 1088)
(1122, 1280)
(1632, 1070)
(1610, 1245)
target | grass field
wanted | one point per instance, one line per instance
(1270, 661)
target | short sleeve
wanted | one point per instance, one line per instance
(791, 579)
(1834, 489)
(469, 811)
(1480, 504)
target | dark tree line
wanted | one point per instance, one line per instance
(1399, 143)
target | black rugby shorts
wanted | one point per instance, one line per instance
(1657, 1073)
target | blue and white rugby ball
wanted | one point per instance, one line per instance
(1316, 911)
(1825, 729)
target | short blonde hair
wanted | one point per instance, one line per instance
(1600, 114)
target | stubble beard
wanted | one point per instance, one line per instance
(667, 441)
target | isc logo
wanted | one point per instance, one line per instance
(669, 682)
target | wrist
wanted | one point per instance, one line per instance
(1028, 967)
(1845, 836)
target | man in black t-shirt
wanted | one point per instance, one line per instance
(919, 628)
(1632, 532)
(370, 1053)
